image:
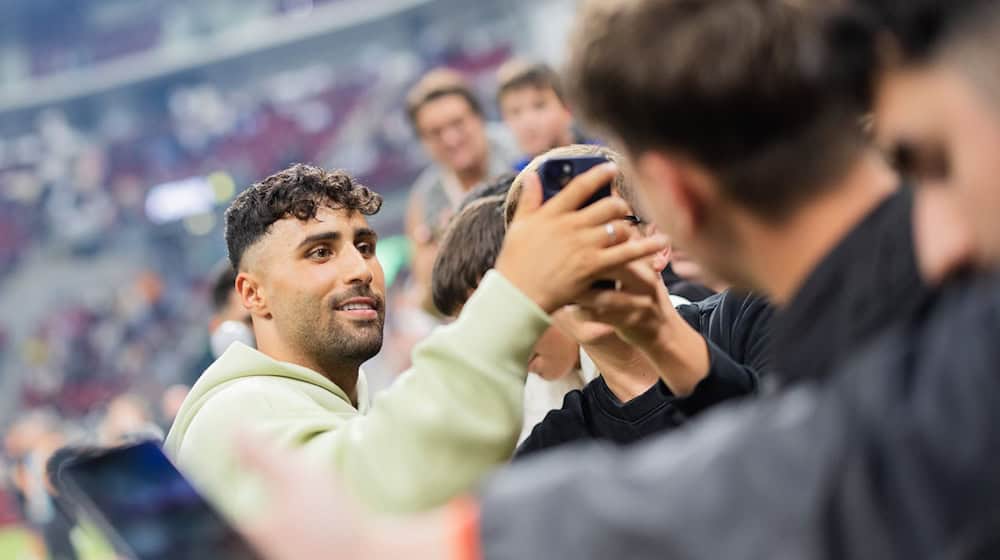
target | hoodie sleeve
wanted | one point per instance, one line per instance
(454, 416)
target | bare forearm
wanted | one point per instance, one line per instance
(680, 356)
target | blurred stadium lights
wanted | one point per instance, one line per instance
(178, 200)
(256, 35)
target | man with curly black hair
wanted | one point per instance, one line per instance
(307, 273)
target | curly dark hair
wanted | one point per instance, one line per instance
(298, 191)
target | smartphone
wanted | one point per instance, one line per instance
(556, 173)
(136, 496)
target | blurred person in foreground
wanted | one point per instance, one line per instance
(466, 152)
(533, 106)
(892, 456)
(309, 277)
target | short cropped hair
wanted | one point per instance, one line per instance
(518, 74)
(299, 192)
(438, 83)
(468, 250)
(621, 183)
(753, 90)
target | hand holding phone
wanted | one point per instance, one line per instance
(555, 251)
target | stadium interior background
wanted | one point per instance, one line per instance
(126, 127)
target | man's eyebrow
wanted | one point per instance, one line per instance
(365, 232)
(316, 237)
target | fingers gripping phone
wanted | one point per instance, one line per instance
(136, 496)
(556, 173)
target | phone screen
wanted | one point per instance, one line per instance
(151, 508)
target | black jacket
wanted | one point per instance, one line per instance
(736, 330)
(868, 282)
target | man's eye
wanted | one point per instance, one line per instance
(919, 162)
(319, 253)
(366, 249)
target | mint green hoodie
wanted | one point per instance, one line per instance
(446, 422)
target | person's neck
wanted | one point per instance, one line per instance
(625, 370)
(471, 177)
(799, 245)
(340, 374)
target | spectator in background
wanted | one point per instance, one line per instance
(128, 417)
(170, 404)
(29, 443)
(230, 321)
(466, 152)
(533, 106)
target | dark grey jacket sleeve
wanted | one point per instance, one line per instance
(739, 484)
(894, 457)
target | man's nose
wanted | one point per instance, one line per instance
(356, 268)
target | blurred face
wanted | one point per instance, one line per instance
(538, 119)
(453, 134)
(679, 199)
(322, 290)
(945, 133)
(555, 354)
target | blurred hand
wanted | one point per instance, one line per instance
(642, 314)
(553, 252)
(307, 515)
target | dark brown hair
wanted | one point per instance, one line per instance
(436, 84)
(299, 192)
(749, 89)
(517, 74)
(468, 250)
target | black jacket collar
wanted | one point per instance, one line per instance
(866, 283)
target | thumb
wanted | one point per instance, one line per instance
(530, 198)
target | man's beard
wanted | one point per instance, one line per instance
(339, 341)
(352, 343)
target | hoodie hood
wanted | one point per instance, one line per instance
(240, 361)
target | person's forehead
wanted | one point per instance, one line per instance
(441, 108)
(527, 92)
(326, 219)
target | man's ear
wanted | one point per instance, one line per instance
(252, 294)
(661, 259)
